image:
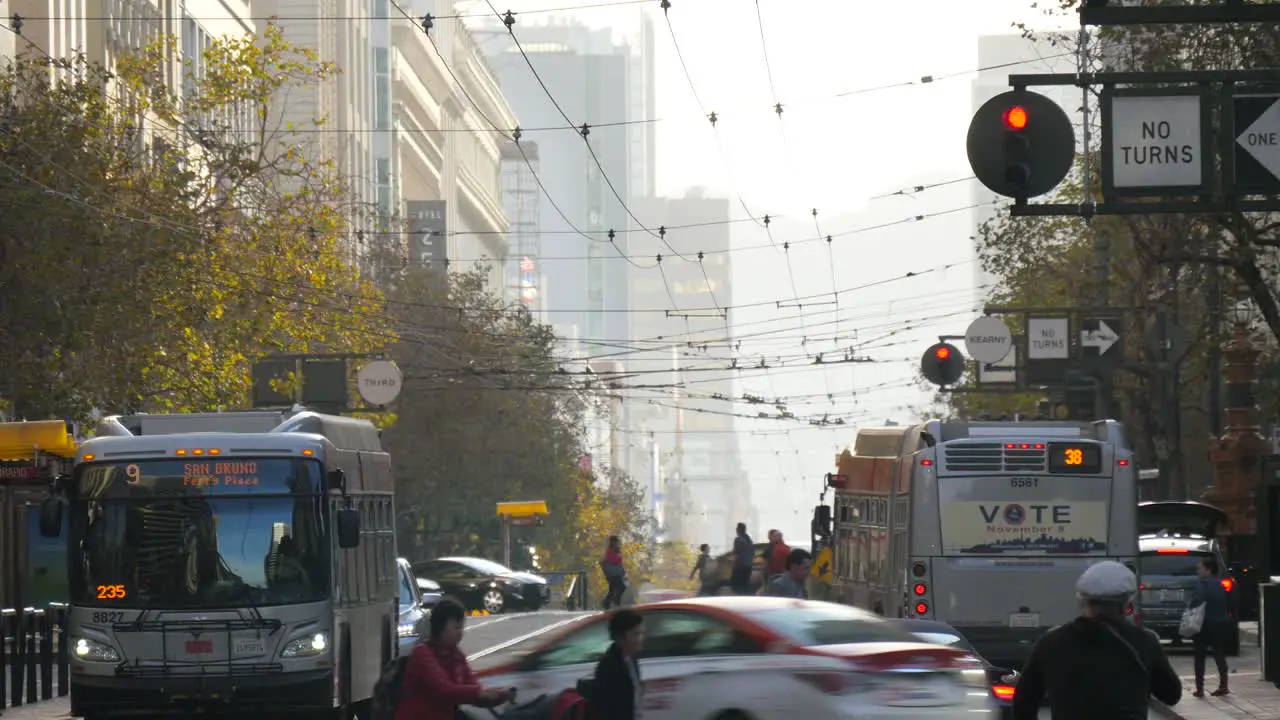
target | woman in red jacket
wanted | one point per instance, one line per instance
(437, 679)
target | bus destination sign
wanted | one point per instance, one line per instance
(1075, 458)
(220, 474)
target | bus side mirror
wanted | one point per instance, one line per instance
(348, 528)
(51, 517)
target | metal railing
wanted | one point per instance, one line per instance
(568, 588)
(33, 655)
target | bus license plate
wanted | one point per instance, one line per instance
(1024, 620)
(250, 647)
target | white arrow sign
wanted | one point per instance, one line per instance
(1102, 338)
(1260, 140)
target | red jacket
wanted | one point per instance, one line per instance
(778, 558)
(436, 682)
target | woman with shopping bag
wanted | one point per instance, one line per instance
(1207, 622)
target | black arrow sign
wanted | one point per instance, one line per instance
(824, 568)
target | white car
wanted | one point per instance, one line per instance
(765, 658)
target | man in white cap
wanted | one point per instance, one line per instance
(1098, 666)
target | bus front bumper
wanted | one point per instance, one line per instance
(309, 692)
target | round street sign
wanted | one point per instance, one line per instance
(988, 340)
(379, 382)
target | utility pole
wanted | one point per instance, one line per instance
(1167, 381)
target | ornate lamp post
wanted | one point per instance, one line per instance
(1236, 455)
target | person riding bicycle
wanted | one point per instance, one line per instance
(437, 679)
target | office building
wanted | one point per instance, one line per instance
(445, 156)
(592, 79)
(704, 491)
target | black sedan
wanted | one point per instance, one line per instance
(485, 585)
(1003, 680)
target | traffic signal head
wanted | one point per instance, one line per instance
(1021, 144)
(942, 364)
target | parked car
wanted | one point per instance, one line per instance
(1001, 679)
(1173, 536)
(431, 592)
(765, 658)
(413, 613)
(481, 584)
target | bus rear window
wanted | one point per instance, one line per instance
(1175, 564)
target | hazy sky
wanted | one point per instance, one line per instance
(833, 153)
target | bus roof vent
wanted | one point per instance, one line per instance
(993, 457)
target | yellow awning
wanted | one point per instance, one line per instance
(526, 508)
(23, 440)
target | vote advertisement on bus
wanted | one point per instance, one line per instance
(1024, 516)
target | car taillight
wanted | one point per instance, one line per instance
(1003, 692)
(1227, 584)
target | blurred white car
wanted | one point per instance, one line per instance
(768, 659)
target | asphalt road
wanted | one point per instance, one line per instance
(490, 641)
(487, 641)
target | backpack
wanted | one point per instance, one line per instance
(386, 693)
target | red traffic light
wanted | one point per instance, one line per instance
(942, 353)
(1015, 118)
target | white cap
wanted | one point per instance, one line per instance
(1107, 580)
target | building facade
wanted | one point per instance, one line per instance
(522, 201)
(445, 151)
(704, 491)
(590, 77)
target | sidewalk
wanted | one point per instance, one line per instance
(1250, 698)
(54, 709)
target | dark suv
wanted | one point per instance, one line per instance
(1174, 538)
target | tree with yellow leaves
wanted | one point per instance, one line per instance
(158, 237)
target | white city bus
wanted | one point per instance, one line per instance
(217, 565)
(984, 525)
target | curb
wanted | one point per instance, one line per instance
(1164, 710)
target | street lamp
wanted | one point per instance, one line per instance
(1243, 313)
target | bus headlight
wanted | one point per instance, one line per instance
(94, 651)
(306, 646)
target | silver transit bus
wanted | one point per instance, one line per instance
(983, 525)
(228, 562)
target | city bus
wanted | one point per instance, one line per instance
(228, 562)
(983, 525)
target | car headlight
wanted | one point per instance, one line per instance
(94, 651)
(306, 646)
(407, 630)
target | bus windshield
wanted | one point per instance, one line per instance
(199, 533)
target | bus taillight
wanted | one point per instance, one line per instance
(922, 608)
(921, 588)
(919, 569)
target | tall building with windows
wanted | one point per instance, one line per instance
(446, 155)
(597, 81)
(704, 489)
(521, 200)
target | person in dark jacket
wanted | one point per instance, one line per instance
(1099, 666)
(1216, 630)
(706, 581)
(615, 573)
(616, 692)
(744, 556)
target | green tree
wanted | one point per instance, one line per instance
(158, 237)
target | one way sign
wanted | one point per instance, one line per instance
(1100, 339)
